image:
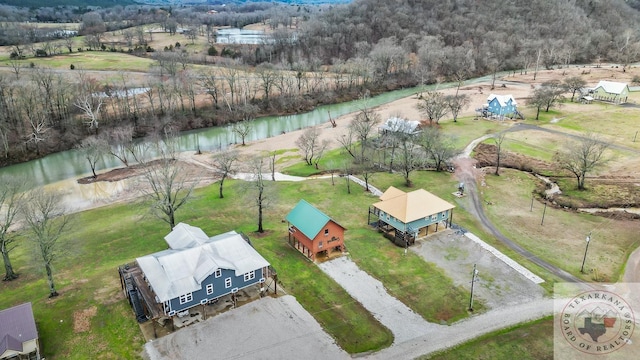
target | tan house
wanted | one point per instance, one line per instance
(407, 216)
(18, 334)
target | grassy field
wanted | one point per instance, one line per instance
(560, 240)
(523, 342)
(107, 237)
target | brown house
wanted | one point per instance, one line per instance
(312, 232)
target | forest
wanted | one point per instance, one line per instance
(318, 54)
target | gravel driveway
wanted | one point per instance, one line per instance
(396, 316)
(498, 284)
(269, 328)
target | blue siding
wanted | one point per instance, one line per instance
(219, 288)
(495, 108)
(416, 224)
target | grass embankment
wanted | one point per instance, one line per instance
(522, 342)
(560, 240)
(107, 237)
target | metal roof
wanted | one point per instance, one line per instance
(17, 326)
(503, 100)
(308, 219)
(408, 207)
(178, 271)
(611, 87)
(396, 124)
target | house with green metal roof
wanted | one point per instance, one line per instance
(314, 233)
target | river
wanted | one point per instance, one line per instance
(70, 164)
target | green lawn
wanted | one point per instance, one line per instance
(523, 342)
(100, 240)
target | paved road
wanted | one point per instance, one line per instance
(460, 332)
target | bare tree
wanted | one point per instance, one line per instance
(499, 139)
(573, 84)
(438, 146)
(348, 143)
(582, 157)
(46, 221)
(170, 185)
(90, 105)
(260, 192)
(11, 202)
(93, 149)
(433, 105)
(242, 129)
(224, 162)
(546, 96)
(409, 158)
(457, 103)
(363, 124)
(311, 147)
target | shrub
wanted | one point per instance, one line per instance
(212, 51)
(72, 67)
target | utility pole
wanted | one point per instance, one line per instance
(543, 212)
(585, 252)
(474, 278)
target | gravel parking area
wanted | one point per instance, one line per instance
(498, 284)
(396, 316)
(269, 328)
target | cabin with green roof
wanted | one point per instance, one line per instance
(314, 233)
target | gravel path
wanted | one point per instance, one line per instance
(396, 316)
(269, 328)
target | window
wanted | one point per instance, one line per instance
(186, 298)
(320, 245)
(209, 289)
(218, 273)
(227, 282)
(434, 217)
(250, 275)
(326, 232)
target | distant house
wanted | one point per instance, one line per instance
(399, 125)
(196, 269)
(611, 91)
(18, 334)
(501, 106)
(312, 232)
(407, 216)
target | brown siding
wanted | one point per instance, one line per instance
(335, 231)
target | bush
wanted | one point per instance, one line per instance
(212, 51)
(636, 80)
(72, 67)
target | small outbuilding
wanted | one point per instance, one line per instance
(611, 91)
(312, 232)
(18, 333)
(407, 216)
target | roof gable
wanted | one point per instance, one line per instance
(309, 220)
(17, 326)
(408, 207)
(184, 236)
(611, 87)
(396, 124)
(176, 272)
(503, 100)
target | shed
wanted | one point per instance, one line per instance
(312, 232)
